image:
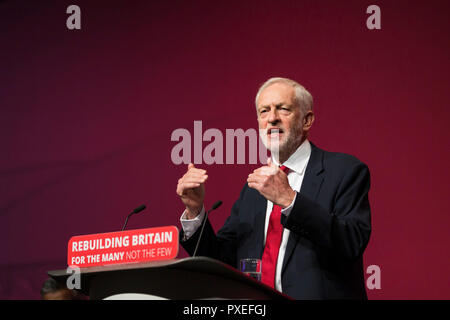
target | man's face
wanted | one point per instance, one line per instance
(279, 118)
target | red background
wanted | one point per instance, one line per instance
(86, 118)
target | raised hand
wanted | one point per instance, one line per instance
(272, 183)
(191, 190)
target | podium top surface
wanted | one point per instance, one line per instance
(202, 267)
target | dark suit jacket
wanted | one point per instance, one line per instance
(329, 223)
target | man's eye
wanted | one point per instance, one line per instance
(283, 107)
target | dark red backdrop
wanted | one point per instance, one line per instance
(86, 118)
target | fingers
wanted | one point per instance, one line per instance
(256, 178)
(190, 182)
(192, 168)
(256, 181)
(183, 187)
(193, 178)
(263, 175)
(253, 184)
(265, 170)
(193, 174)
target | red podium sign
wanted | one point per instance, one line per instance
(131, 246)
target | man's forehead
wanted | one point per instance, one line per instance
(276, 93)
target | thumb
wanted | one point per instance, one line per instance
(270, 163)
(190, 166)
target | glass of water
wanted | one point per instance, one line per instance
(251, 267)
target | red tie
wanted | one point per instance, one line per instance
(273, 242)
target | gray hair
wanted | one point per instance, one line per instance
(302, 97)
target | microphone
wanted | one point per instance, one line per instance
(137, 210)
(214, 207)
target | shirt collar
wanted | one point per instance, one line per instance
(299, 159)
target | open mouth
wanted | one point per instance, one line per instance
(274, 132)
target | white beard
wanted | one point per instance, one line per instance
(275, 146)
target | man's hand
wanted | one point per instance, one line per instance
(191, 190)
(272, 183)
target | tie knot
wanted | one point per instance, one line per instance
(284, 168)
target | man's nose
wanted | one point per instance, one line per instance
(273, 116)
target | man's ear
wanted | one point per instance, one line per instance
(308, 120)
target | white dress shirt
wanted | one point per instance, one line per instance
(297, 164)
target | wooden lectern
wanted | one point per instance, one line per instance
(180, 279)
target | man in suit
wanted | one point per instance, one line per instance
(306, 214)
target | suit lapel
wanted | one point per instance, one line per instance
(310, 188)
(259, 209)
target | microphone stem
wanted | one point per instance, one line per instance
(126, 221)
(201, 232)
(214, 207)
